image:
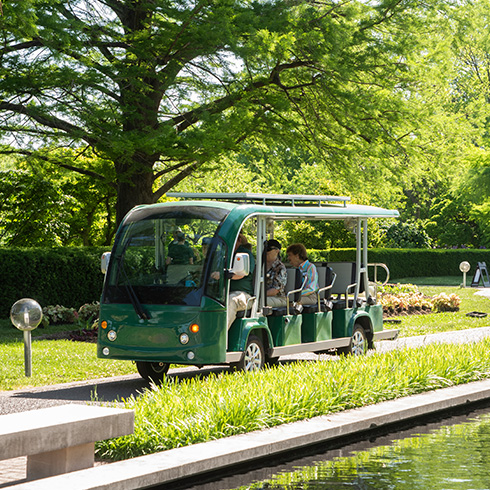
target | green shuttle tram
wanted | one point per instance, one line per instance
(164, 303)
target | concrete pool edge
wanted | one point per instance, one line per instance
(176, 464)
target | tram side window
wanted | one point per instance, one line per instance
(215, 288)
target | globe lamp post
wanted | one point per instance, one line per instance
(464, 267)
(26, 314)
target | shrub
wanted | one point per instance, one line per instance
(407, 235)
(89, 312)
(444, 302)
(53, 315)
(67, 276)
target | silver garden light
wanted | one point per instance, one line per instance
(464, 267)
(26, 314)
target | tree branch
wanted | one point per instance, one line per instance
(47, 120)
(175, 180)
(191, 117)
(56, 161)
(170, 169)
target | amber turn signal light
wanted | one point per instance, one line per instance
(103, 324)
(194, 328)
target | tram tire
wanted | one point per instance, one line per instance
(358, 345)
(152, 371)
(272, 361)
(253, 358)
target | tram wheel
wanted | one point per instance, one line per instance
(152, 371)
(359, 343)
(254, 356)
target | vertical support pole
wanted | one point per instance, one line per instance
(365, 256)
(27, 353)
(259, 290)
(358, 260)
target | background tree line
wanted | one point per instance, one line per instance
(106, 104)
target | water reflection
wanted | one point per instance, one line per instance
(447, 457)
(453, 457)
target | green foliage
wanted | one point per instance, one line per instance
(52, 276)
(190, 411)
(407, 235)
(162, 89)
(33, 210)
(450, 224)
(49, 206)
(53, 315)
(89, 313)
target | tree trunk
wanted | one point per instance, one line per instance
(133, 191)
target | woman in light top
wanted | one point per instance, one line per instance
(298, 258)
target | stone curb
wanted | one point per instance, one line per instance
(170, 466)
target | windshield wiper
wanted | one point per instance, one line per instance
(138, 307)
(133, 297)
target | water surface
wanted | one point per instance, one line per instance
(443, 456)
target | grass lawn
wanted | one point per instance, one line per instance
(53, 361)
(444, 322)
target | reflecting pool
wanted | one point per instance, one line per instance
(449, 457)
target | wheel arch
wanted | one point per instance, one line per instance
(254, 328)
(365, 322)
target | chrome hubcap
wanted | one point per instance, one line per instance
(359, 344)
(253, 358)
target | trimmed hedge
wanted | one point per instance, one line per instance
(404, 262)
(71, 277)
(67, 276)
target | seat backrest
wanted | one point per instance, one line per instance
(325, 277)
(295, 279)
(346, 275)
(322, 275)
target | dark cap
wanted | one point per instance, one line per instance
(273, 245)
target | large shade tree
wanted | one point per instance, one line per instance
(161, 88)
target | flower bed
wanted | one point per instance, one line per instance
(406, 299)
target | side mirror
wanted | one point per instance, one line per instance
(241, 265)
(104, 262)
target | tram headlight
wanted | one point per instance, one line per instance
(184, 338)
(105, 351)
(112, 335)
(191, 355)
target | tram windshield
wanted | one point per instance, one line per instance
(161, 256)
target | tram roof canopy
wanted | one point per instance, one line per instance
(257, 198)
(293, 205)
